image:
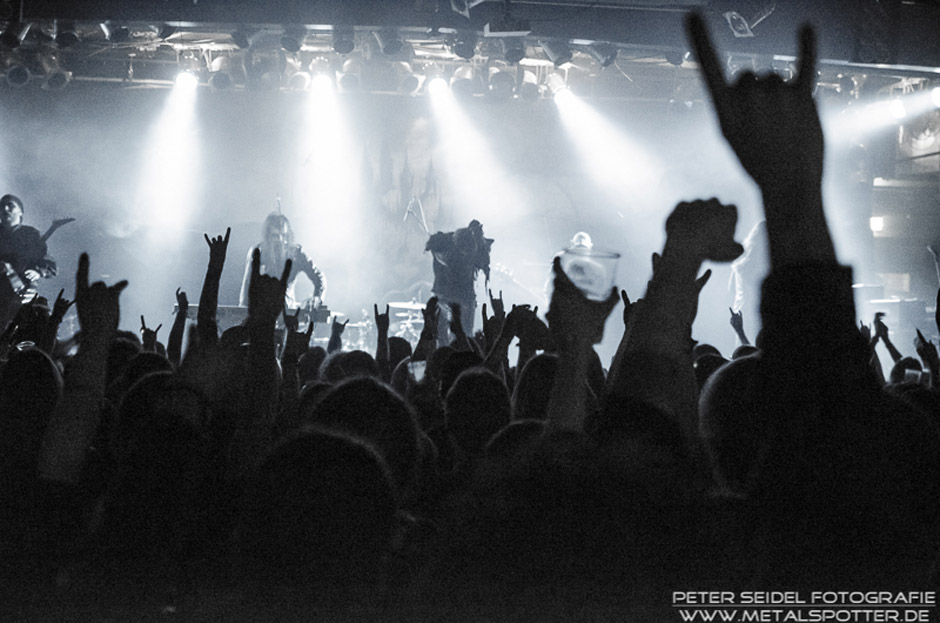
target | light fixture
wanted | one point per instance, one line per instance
(15, 72)
(676, 57)
(556, 83)
(604, 53)
(56, 77)
(292, 39)
(389, 41)
(186, 80)
(876, 224)
(529, 90)
(14, 34)
(348, 79)
(298, 79)
(163, 31)
(502, 84)
(408, 82)
(220, 73)
(344, 39)
(244, 37)
(464, 82)
(65, 35)
(437, 86)
(465, 45)
(557, 52)
(743, 27)
(115, 33)
(513, 49)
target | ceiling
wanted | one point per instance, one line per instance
(262, 45)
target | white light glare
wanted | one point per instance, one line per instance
(935, 96)
(898, 110)
(322, 83)
(876, 224)
(437, 86)
(187, 80)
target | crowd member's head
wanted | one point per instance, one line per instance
(729, 423)
(366, 407)
(398, 348)
(320, 516)
(476, 408)
(341, 364)
(899, 371)
(533, 387)
(308, 366)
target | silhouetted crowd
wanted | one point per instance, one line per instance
(249, 477)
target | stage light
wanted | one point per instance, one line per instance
(56, 77)
(344, 39)
(292, 39)
(465, 46)
(163, 31)
(17, 75)
(390, 42)
(321, 83)
(245, 37)
(220, 76)
(501, 84)
(529, 90)
(187, 80)
(935, 96)
(513, 49)
(348, 78)
(676, 57)
(408, 81)
(14, 35)
(65, 35)
(299, 81)
(556, 84)
(876, 224)
(898, 110)
(557, 52)
(464, 82)
(437, 86)
(115, 33)
(604, 53)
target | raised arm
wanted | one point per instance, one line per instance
(206, 326)
(78, 414)
(174, 345)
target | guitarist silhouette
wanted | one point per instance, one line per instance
(24, 257)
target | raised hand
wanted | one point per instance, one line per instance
(98, 306)
(292, 322)
(703, 229)
(772, 125)
(217, 249)
(182, 301)
(881, 329)
(571, 316)
(149, 336)
(497, 304)
(927, 352)
(737, 321)
(456, 327)
(382, 321)
(60, 307)
(297, 342)
(430, 313)
(266, 293)
(338, 327)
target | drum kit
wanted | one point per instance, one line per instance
(409, 320)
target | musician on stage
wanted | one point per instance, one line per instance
(24, 258)
(458, 257)
(277, 246)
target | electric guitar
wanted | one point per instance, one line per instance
(22, 289)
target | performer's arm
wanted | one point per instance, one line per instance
(246, 279)
(316, 276)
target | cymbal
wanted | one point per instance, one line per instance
(414, 317)
(406, 305)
